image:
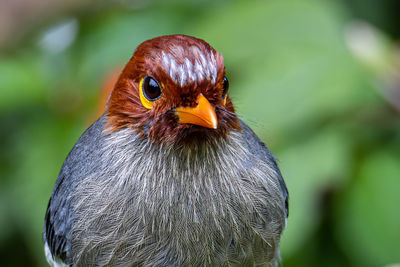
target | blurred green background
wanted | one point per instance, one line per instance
(318, 80)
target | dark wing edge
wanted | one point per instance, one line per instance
(57, 222)
(54, 234)
(271, 158)
(283, 187)
(282, 183)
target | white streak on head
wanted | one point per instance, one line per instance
(173, 70)
(165, 61)
(189, 67)
(198, 69)
(182, 74)
(195, 50)
(205, 69)
(177, 51)
(212, 65)
(183, 70)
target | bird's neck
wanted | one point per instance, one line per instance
(174, 160)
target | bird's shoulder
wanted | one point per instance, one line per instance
(57, 226)
(260, 150)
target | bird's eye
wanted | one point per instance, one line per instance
(225, 87)
(151, 89)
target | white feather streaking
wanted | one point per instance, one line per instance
(52, 260)
(203, 67)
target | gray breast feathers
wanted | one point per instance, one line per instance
(217, 203)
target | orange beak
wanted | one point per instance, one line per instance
(203, 114)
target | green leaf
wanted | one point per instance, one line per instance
(368, 219)
(320, 162)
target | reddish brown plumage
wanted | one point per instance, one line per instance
(160, 123)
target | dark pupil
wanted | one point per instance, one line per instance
(151, 89)
(225, 87)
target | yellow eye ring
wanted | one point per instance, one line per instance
(145, 102)
(149, 90)
(225, 87)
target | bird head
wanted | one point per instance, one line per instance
(173, 89)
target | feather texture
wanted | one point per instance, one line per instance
(121, 200)
(143, 188)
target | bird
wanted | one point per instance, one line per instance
(169, 175)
